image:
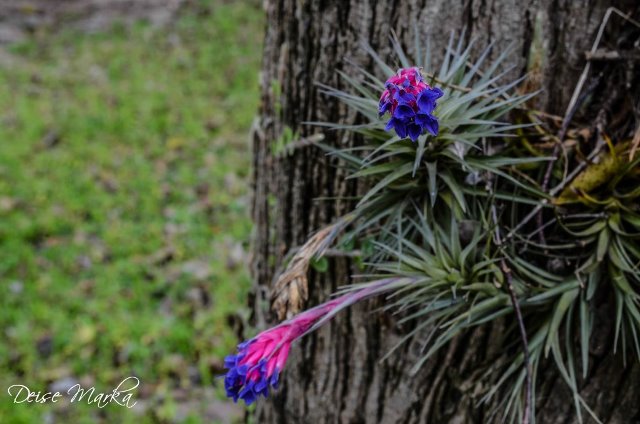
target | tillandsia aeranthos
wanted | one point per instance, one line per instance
(417, 109)
(451, 224)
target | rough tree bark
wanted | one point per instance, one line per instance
(336, 374)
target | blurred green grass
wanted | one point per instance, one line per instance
(123, 210)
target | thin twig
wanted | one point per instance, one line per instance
(578, 169)
(537, 230)
(557, 189)
(635, 142)
(337, 253)
(516, 307)
(514, 300)
(594, 48)
(556, 150)
(607, 55)
(525, 344)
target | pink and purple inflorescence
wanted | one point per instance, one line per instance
(411, 102)
(259, 361)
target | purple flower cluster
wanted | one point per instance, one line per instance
(254, 369)
(411, 103)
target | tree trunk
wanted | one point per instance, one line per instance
(336, 374)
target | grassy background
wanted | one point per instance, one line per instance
(123, 213)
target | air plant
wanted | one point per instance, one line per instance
(453, 187)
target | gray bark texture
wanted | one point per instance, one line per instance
(336, 374)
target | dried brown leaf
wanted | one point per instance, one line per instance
(291, 290)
